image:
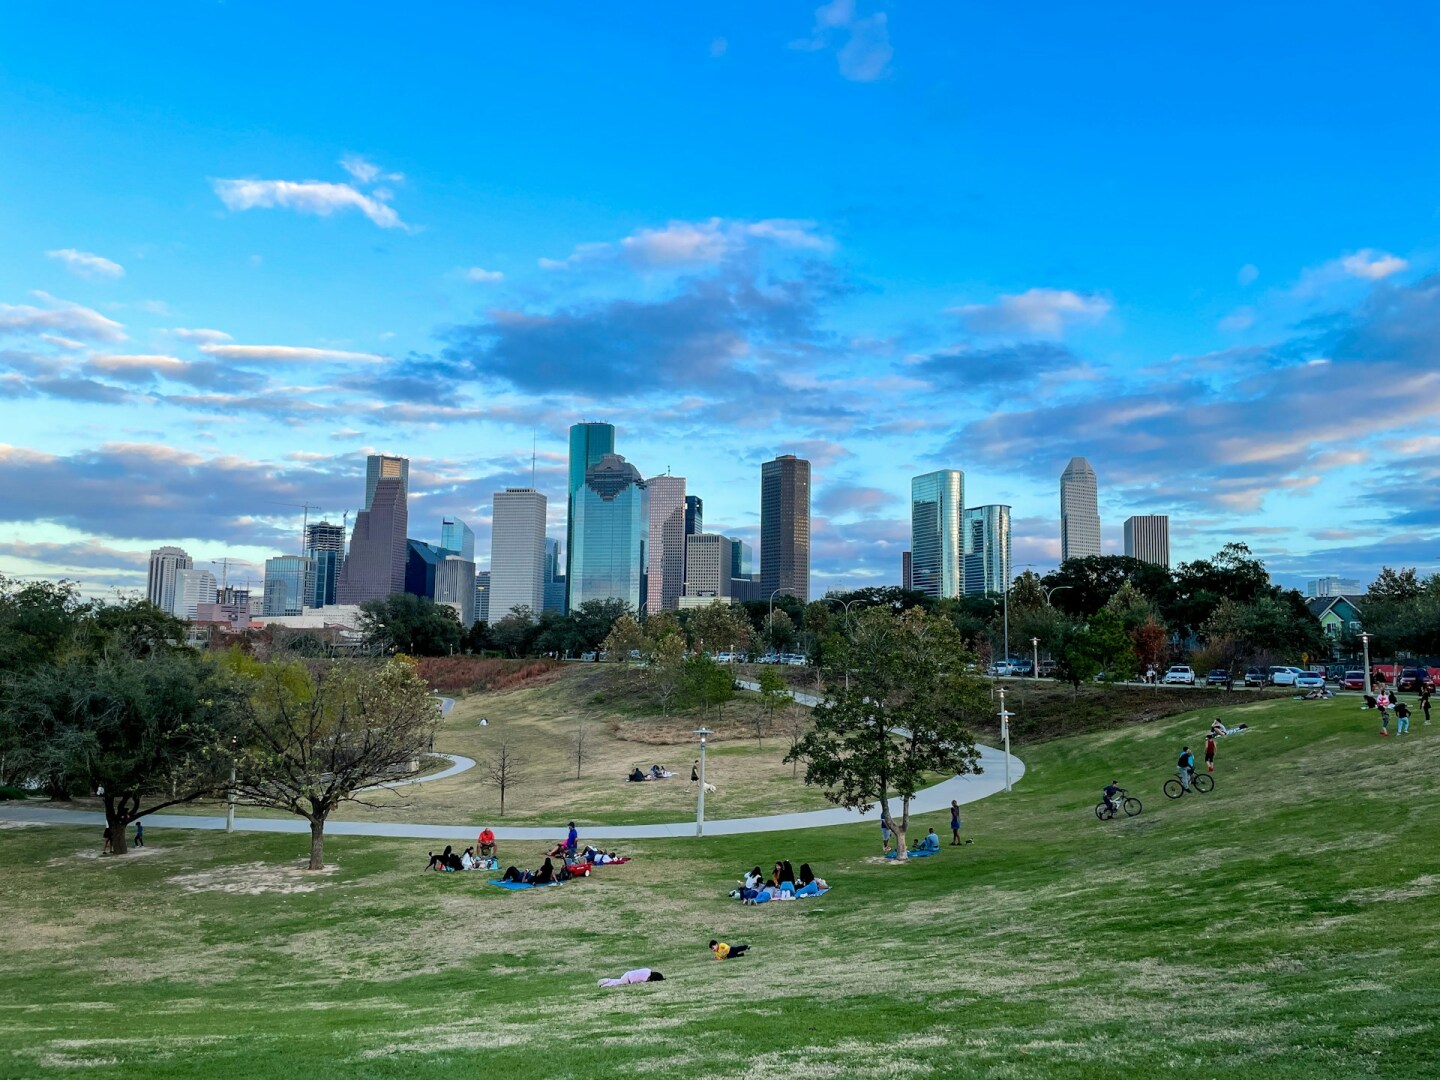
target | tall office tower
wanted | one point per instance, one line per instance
(285, 578)
(785, 526)
(160, 587)
(482, 596)
(422, 567)
(1333, 586)
(378, 467)
(937, 539)
(588, 444)
(554, 577)
(610, 526)
(707, 565)
(907, 571)
(192, 588)
(1147, 538)
(325, 548)
(987, 550)
(457, 538)
(455, 586)
(667, 543)
(741, 558)
(375, 567)
(694, 515)
(1079, 511)
(517, 552)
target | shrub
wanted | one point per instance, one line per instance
(458, 673)
(9, 791)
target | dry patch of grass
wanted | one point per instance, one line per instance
(252, 879)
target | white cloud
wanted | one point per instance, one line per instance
(865, 53)
(288, 354)
(1247, 274)
(1372, 265)
(718, 48)
(307, 197)
(160, 365)
(200, 336)
(62, 318)
(481, 276)
(1239, 319)
(690, 243)
(86, 264)
(1045, 312)
(367, 172)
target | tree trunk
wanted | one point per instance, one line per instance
(115, 821)
(898, 831)
(317, 844)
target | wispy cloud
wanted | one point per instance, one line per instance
(367, 172)
(60, 317)
(1372, 265)
(307, 197)
(87, 264)
(289, 354)
(1040, 312)
(200, 336)
(481, 276)
(861, 45)
(696, 243)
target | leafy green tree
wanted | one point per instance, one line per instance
(707, 684)
(780, 632)
(664, 671)
(1402, 584)
(37, 619)
(719, 627)
(592, 621)
(1099, 648)
(904, 717)
(626, 636)
(414, 625)
(516, 633)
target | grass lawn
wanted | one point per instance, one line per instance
(1287, 925)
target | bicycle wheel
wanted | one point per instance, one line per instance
(1203, 782)
(1173, 790)
(1132, 806)
(1102, 812)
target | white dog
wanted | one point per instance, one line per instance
(709, 788)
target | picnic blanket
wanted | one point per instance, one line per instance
(512, 885)
(913, 854)
(766, 898)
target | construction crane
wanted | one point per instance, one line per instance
(305, 526)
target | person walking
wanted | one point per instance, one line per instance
(1402, 718)
(1382, 702)
(954, 823)
(572, 841)
(884, 836)
(1425, 692)
(139, 833)
(1210, 752)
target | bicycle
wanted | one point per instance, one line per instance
(1105, 811)
(1199, 782)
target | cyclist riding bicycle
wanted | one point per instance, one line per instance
(1185, 767)
(1112, 789)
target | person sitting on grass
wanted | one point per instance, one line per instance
(453, 861)
(515, 874)
(809, 884)
(928, 842)
(636, 776)
(487, 842)
(727, 952)
(787, 874)
(546, 874)
(467, 860)
(639, 975)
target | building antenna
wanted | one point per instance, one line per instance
(532, 458)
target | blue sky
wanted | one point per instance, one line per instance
(245, 244)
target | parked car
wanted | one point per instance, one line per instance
(1413, 678)
(1353, 680)
(1048, 669)
(1283, 675)
(1309, 680)
(1256, 677)
(1001, 669)
(724, 658)
(1179, 674)
(1217, 677)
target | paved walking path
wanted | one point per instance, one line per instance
(962, 789)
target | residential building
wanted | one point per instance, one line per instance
(285, 577)
(457, 538)
(517, 552)
(707, 565)
(482, 596)
(987, 549)
(907, 571)
(589, 442)
(785, 526)
(160, 585)
(375, 567)
(610, 535)
(1337, 615)
(1147, 538)
(191, 589)
(937, 539)
(694, 515)
(666, 575)
(1334, 586)
(422, 567)
(380, 466)
(325, 548)
(1079, 511)
(455, 586)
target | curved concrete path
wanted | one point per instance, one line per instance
(962, 789)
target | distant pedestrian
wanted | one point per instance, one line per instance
(572, 841)
(1402, 718)
(106, 843)
(1382, 702)
(695, 772)
(884, 836)
(954, 823)
(1210, 752)
(1425, 704)
(139, 834)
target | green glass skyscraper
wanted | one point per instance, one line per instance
(589, 442)
(610, 524)
(937, 541)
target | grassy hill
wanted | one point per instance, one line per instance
(1286, 925)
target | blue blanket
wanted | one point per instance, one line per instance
(765, 899)
(524, 884)
(914, 854)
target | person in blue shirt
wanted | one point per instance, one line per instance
(1112, 789)
(572, 840)
(929, 842)
(954, 822)
(139, 834)
(1185, 767)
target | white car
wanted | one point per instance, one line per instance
(1284, 675)
(1309, 680)
(1181, 675)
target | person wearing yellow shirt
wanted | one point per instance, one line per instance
(728, 952)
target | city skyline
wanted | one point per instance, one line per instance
(200, 334)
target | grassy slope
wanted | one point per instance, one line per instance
(1285, 926)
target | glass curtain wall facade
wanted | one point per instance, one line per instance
(785, 527)
(987, 549)
(589, 442)
(937, 539)
(285, 584)
(1079, 511)
(457, 538)
(380, 466)
(610, 530)
(325, 548)
(667, 543)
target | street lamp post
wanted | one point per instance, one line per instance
(1051, 592)
(230, 809)
(845, 607)
(1035, 657)
(700, 789)
(1005, 734)
(1006, 604)
(1365, 644)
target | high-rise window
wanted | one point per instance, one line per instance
(1147, 538)
(380, 466)
(987, 549)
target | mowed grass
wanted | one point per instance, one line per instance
(1287, 925)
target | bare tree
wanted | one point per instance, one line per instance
(581, 746)
(321, 735)
(797, 726)
(502, 771)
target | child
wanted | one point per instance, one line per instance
(1383, 704)
(1402, 718)
(1210, 752)
(885, 836)
(727, 952)
(139, 834)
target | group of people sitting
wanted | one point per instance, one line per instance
(546, 875)
(448, 861)
(782, 884)
(657, 772)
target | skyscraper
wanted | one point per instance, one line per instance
(667, 543)
(422, 567)
(379, 466)
(907, 571)
(517, 552)
(285, 578)
(987, 549)
(1147, 538)
(589, 442)
(707, 565)
(694, 515)
(1079, 511)
(455, 586)
(325, 548)
(785, 526)
(192, 588)
(937, 540)
(554, 577)
(610, 530)
(457, 538)
(160, 585)
(1334, 586)
(482, 596)
(375, 567)
(741, 558)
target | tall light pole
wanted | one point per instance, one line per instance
(1006, 602)
(700, 789)
(1365, 644)
(1035, 657)
(845, 606)
(1005, 734)
(230, 810)
(1051, 592)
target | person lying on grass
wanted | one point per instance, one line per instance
(514, 873)
(639, 975)
(727, 952)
